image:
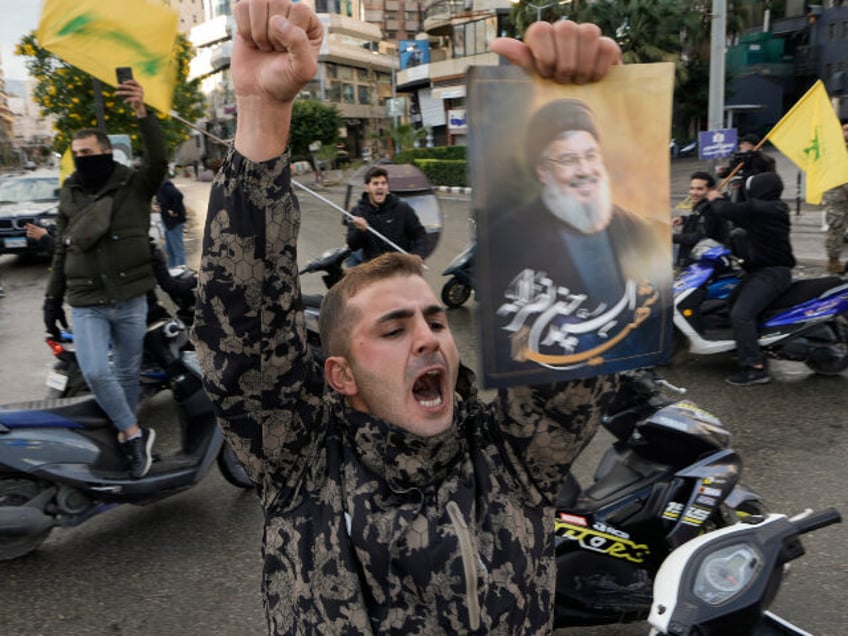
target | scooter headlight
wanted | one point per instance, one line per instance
(728, 572)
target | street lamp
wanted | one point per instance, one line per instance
(541, 7)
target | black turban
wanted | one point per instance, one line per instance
(551, 120)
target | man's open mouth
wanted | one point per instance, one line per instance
(427, 389)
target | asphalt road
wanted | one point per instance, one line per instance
(190, 564)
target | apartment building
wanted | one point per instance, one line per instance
(355, 73)
(455, 35)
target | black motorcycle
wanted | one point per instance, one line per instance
(670, 476)
(457, 289)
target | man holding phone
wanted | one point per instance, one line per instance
(102, 264)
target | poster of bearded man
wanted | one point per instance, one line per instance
(570, 188)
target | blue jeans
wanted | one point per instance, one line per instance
(114, 384)
(174, 248)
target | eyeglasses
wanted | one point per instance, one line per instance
(591, 157)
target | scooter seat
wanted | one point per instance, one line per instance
(75, 412)
(312, 300)
(801, 291)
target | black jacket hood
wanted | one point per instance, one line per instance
(766, 186)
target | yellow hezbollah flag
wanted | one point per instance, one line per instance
(98, 36)
(66, 166)
(811, 136)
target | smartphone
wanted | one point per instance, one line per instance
(123, 73)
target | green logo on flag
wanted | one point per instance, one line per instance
(814, 148)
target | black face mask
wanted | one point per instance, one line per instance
(94, 170)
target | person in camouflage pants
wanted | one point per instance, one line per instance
(396, 502)
(835, 203)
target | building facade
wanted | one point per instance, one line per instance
(7, 151)
(355, 73)
(774, 64)
(456, 34)
(32, 131)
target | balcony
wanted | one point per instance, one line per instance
(438, 14)
(448, 69)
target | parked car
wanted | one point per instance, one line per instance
(28, 198)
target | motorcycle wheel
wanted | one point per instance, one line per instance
(16, 492)
(836, 364)
(455, 293)
(232, 469)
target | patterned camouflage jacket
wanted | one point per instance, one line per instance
(370, 529)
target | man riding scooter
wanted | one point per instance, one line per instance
(765, 254)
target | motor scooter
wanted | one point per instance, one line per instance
(808, 323)
(723, 582)
(61, 463)
(459, 286)
(670, 476)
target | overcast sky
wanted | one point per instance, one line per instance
(17, 17)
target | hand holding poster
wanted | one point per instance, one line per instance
(573, 223)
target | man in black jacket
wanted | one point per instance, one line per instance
(101, 264)
(768, 266)
(389, 215)
(169, 203)
(698, 224)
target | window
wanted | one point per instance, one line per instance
(364, 94)
(459, 41)
(334, 92)
(347, 93)
(362, 75)
(472, 38)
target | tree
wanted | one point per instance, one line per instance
(67, 93)
(313, 120)
(675, 31)
(525, 12)
(405, 136)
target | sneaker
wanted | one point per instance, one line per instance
(748, 376)
(138, 450)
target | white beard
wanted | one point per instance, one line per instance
(587, 217)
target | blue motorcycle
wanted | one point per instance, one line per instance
(808, 323)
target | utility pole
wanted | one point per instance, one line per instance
(715, 113)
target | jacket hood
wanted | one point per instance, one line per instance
(766, 186)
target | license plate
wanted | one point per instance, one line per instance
(57, 381)
(15, 243)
